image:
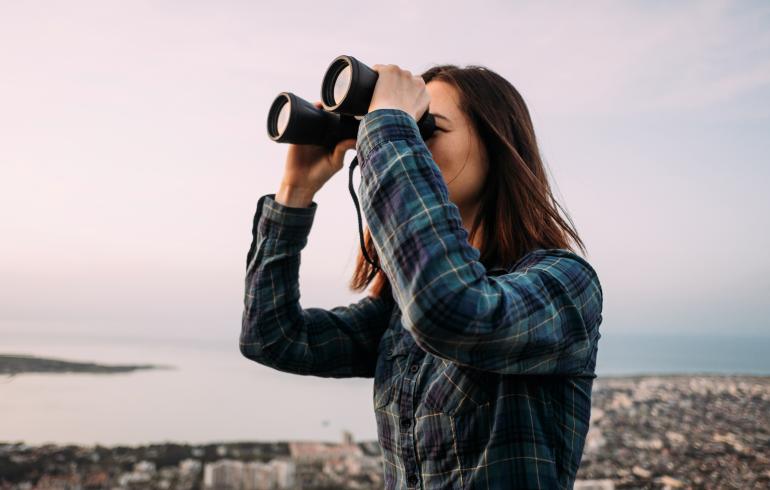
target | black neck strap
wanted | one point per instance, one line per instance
(375, 267)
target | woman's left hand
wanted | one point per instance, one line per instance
(399, 89)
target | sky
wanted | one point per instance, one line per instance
(133, 151)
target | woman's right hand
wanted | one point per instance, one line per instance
(307, 169)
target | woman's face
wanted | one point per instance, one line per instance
(456, 149)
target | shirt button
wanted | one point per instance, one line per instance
(405, 423)
(412, 479)
(414, 368)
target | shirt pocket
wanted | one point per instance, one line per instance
(457, 389)
(391, 362)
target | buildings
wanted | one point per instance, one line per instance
(230, 474)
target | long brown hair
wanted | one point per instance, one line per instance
(518, 210)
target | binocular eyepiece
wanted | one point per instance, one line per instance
(346, 93)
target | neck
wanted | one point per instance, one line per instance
(468, 215)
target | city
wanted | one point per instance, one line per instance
(677, 431)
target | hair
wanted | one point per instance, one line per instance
(518, 211)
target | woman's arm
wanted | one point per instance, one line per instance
(540, 319)
(276, 330)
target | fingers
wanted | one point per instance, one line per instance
(382, 68)
(393, 68)
(343, 146)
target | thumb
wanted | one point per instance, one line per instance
(338, 155)
(342, 147)
(348, 144)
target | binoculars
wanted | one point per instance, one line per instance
(346, 92)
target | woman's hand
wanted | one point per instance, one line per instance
(307, 169)
(399, 89)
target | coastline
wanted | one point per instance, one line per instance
(16, 364)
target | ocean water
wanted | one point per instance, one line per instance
(625, 354)
(215, 394)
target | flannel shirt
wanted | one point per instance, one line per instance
(482, 378)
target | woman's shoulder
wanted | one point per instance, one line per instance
(547, 256)
(561, 262)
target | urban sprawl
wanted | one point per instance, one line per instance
(646, 432)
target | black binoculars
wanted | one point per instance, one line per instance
(346, 92)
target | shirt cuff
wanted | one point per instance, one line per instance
(285, 222)
(382, 125)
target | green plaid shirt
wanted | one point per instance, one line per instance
(482, 378)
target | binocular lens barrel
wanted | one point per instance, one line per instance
(348, 86)
(292, 119)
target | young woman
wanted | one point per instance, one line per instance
(481, 326)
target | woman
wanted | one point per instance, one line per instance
(481, 326)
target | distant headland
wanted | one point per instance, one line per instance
(12, 364)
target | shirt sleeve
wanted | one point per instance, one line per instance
(542, 318)
(276, 331)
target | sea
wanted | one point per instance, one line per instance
(213, 394)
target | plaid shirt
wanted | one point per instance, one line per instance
(482, 378)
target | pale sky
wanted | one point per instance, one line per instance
(133, 150)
